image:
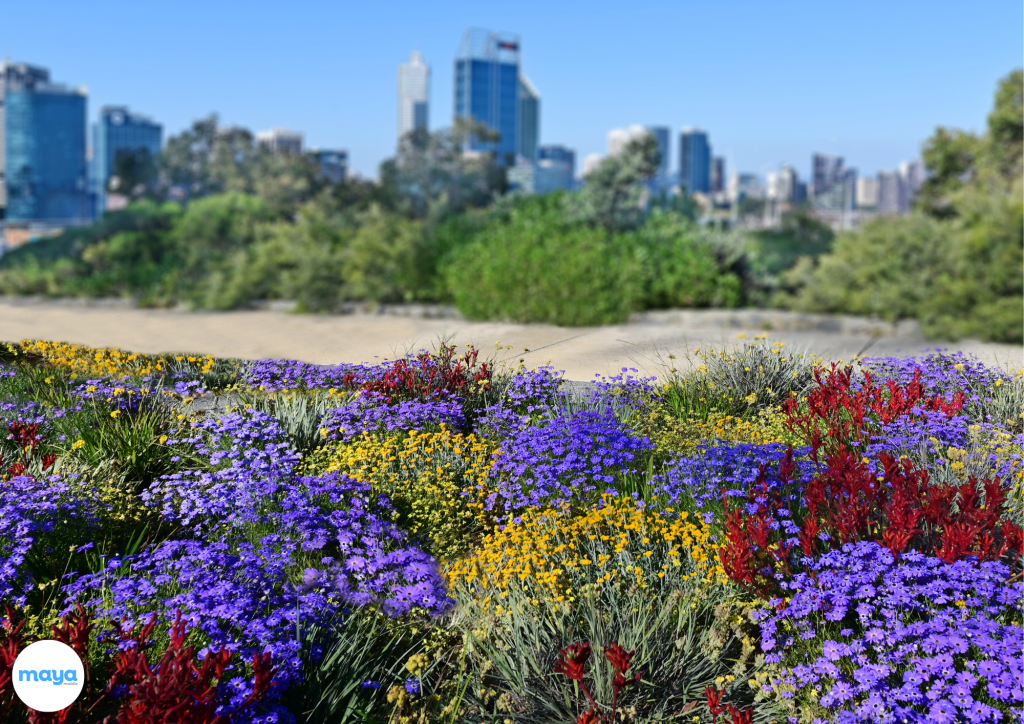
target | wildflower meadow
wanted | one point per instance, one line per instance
(756, 536)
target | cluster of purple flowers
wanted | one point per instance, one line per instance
(368, 414)
(563, 460)
(276, 374)
(31, 508)
(715, 470)
(878, 639)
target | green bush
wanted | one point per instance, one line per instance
(535, 266)
(685, 266)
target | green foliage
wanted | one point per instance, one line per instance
(773, 252)
(614, 197)
(535, 266)
(685, 266)
(683, 643)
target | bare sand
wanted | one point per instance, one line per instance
(580, 352)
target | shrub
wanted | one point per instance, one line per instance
(535, 266)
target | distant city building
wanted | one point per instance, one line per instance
(694, 161)
(782, 185)
(663, 135)
(897, 190)
(413, 95)
(44, 148)
(745, 186)
(867, 193)
(487, 89)
(14, 76)
(913, 174)
(835, 186)
(281, 140)
(717, 174)
(826, 171)
(333, 165)
(118, 132)
(529, 119)
(556, 169)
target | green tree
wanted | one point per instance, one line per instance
(614, 196)
(433, 172)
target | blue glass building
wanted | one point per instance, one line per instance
(694, 161)
(44, 153)
(487, 89)
(117, 132)
(661, 133)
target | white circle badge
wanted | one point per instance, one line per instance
(48, 676)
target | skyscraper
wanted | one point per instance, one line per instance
(14, 76)
(717, 174)
(694, 161)
(44, 128)
(835, 186)
(661, 133)
(413, 95)
(529, 119)
(117, 132)
(826, 171)
(487, 89)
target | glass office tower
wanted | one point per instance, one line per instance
(694, 161)
(44, 153)
(120, 132)
(487, 89)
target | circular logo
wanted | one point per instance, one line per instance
(48, 676)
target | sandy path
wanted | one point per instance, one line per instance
(581, 352)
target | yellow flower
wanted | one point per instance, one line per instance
(115, 413)
(78, 445)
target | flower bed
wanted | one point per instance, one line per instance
(434, 539)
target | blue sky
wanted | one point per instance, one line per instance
(772, 81)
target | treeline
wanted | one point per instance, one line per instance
(440, 227)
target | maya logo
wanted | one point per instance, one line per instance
(48, 676)
(54, 676)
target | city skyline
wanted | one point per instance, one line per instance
(332, 71)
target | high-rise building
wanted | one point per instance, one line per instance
(333, 165)
(14, 76)
(694, 161)
(890, 193)
(487, 89)
(529, 120)
(835, 186)
(913, 174)
(717, 174)
(826, 171)
(745, 186)
(782, 185)
(281, 140)
(662, 134)
(44, 162)
(867, 192)
(556, 169)
(413, 95)
(119, 132)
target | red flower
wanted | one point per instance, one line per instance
(573, 660)
(741, 717)
(589, 717)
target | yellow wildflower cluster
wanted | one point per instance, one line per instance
(551, 555)
(82, 360)
(435, 480)
(672, 434)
